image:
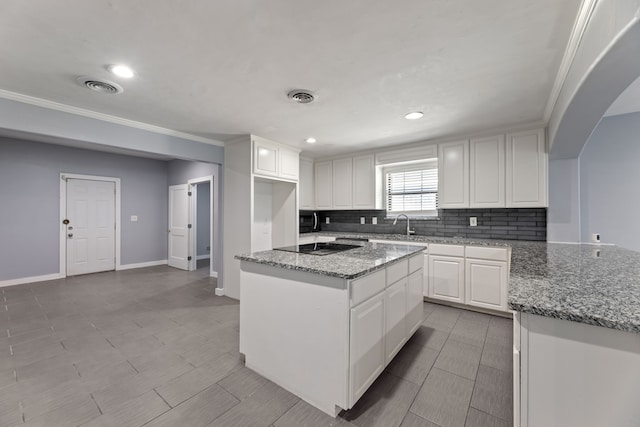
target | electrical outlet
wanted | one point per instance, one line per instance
(374, 220)
(327, 220)
(134, 218)
(595, 238)
(473, 221)
(362, 221)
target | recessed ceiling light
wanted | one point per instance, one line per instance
(311, 140)
(121, 71)
(413, 115)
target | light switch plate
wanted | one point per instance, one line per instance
(473, 221)
(327, 220)
(374, 220)
(134, 218)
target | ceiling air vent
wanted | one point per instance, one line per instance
(101, 86)
(301, 96)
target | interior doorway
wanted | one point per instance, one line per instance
(203, 235)
(89, 224)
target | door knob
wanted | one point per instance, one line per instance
(70, 235)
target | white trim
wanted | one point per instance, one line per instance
(214, 226)
(142, 265)
(205, 256)
(63, 212)
(219, 292)
(214, 274)
(579, 27)
(39, 102)
(34, 279)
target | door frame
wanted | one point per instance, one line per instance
(213, 221)
(63, 212)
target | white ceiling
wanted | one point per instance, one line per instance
(218, 69)
(627, 102)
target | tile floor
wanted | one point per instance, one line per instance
(156, 347)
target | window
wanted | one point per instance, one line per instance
(412, 189)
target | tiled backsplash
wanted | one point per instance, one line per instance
(509, 224)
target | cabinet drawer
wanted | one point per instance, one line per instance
(397, 271)
(446, 250)
(367, 286)
(416, 262)
(490, 253)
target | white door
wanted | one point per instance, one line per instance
(323, 185)
(342, 184)
(486, 283)
(179, 226)
(487, 172)
(91, 232)
(364, 182)
(453, 175)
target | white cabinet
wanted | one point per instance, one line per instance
(364, 189)
(414, 301)
(446, 278)
(526, 169)
(396, 310)
(367, 351)
(307, 193)
(265, 158)
(274, 160)
(343, 183)
(323, 185)
(453, 175)
(486, 283)
(487, 172)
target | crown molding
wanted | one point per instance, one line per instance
(579, 27)
(51, 105)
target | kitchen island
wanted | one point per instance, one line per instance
(325, 327)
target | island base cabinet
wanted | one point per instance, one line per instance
(574, 374)
(414, 302)
(395, 326)
(367, 345)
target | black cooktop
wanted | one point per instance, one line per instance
(320, 248)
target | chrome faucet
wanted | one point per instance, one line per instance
(409, 231)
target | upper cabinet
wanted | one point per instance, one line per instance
(453, 175)
(324, 185)
(526, 169)
(305, 186)
(343, 183)
(487, 172)
(274, 160)
(364, 187)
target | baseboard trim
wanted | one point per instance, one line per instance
(142, 265)
(205, 256)
(34, 279)
(220, 292)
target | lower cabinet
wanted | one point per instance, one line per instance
(367, 351)
(446, 278)
(486, 283)
(382, 324)
(395, 328)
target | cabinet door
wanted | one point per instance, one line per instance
(289, 164)
(395, 314)
(364, 185)
(306, 184)
(343, 184)
(324, 185)
(486, 283)
(414, 302)
(453, 175)
(487, 172)
(366, 346)
(425, 276)
(446, 278)
(526, 169)
(265, 159)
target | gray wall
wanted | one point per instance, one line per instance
(506, 224)
(202, 219)
(609, 181)
(30, 208)
(564, 201)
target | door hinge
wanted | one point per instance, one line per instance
(189, 193)
(189, 226)
(188, 258)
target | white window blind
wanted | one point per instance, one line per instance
(412, 191)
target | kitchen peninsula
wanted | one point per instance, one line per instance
(325, 327)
